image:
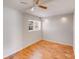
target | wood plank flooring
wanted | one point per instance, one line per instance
(44, 50)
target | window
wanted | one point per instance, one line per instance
(34, 25)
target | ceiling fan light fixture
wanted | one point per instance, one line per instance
(32, 9)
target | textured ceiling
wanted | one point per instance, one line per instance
(55, 7)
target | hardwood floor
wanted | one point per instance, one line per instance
(44, 50)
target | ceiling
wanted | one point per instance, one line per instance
(55, 7)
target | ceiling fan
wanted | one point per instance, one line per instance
(40, 4)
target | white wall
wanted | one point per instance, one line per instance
(54, 29)
(13, 31)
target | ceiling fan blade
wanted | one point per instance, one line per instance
(44, 7)
(36, 1)
(40, 4)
